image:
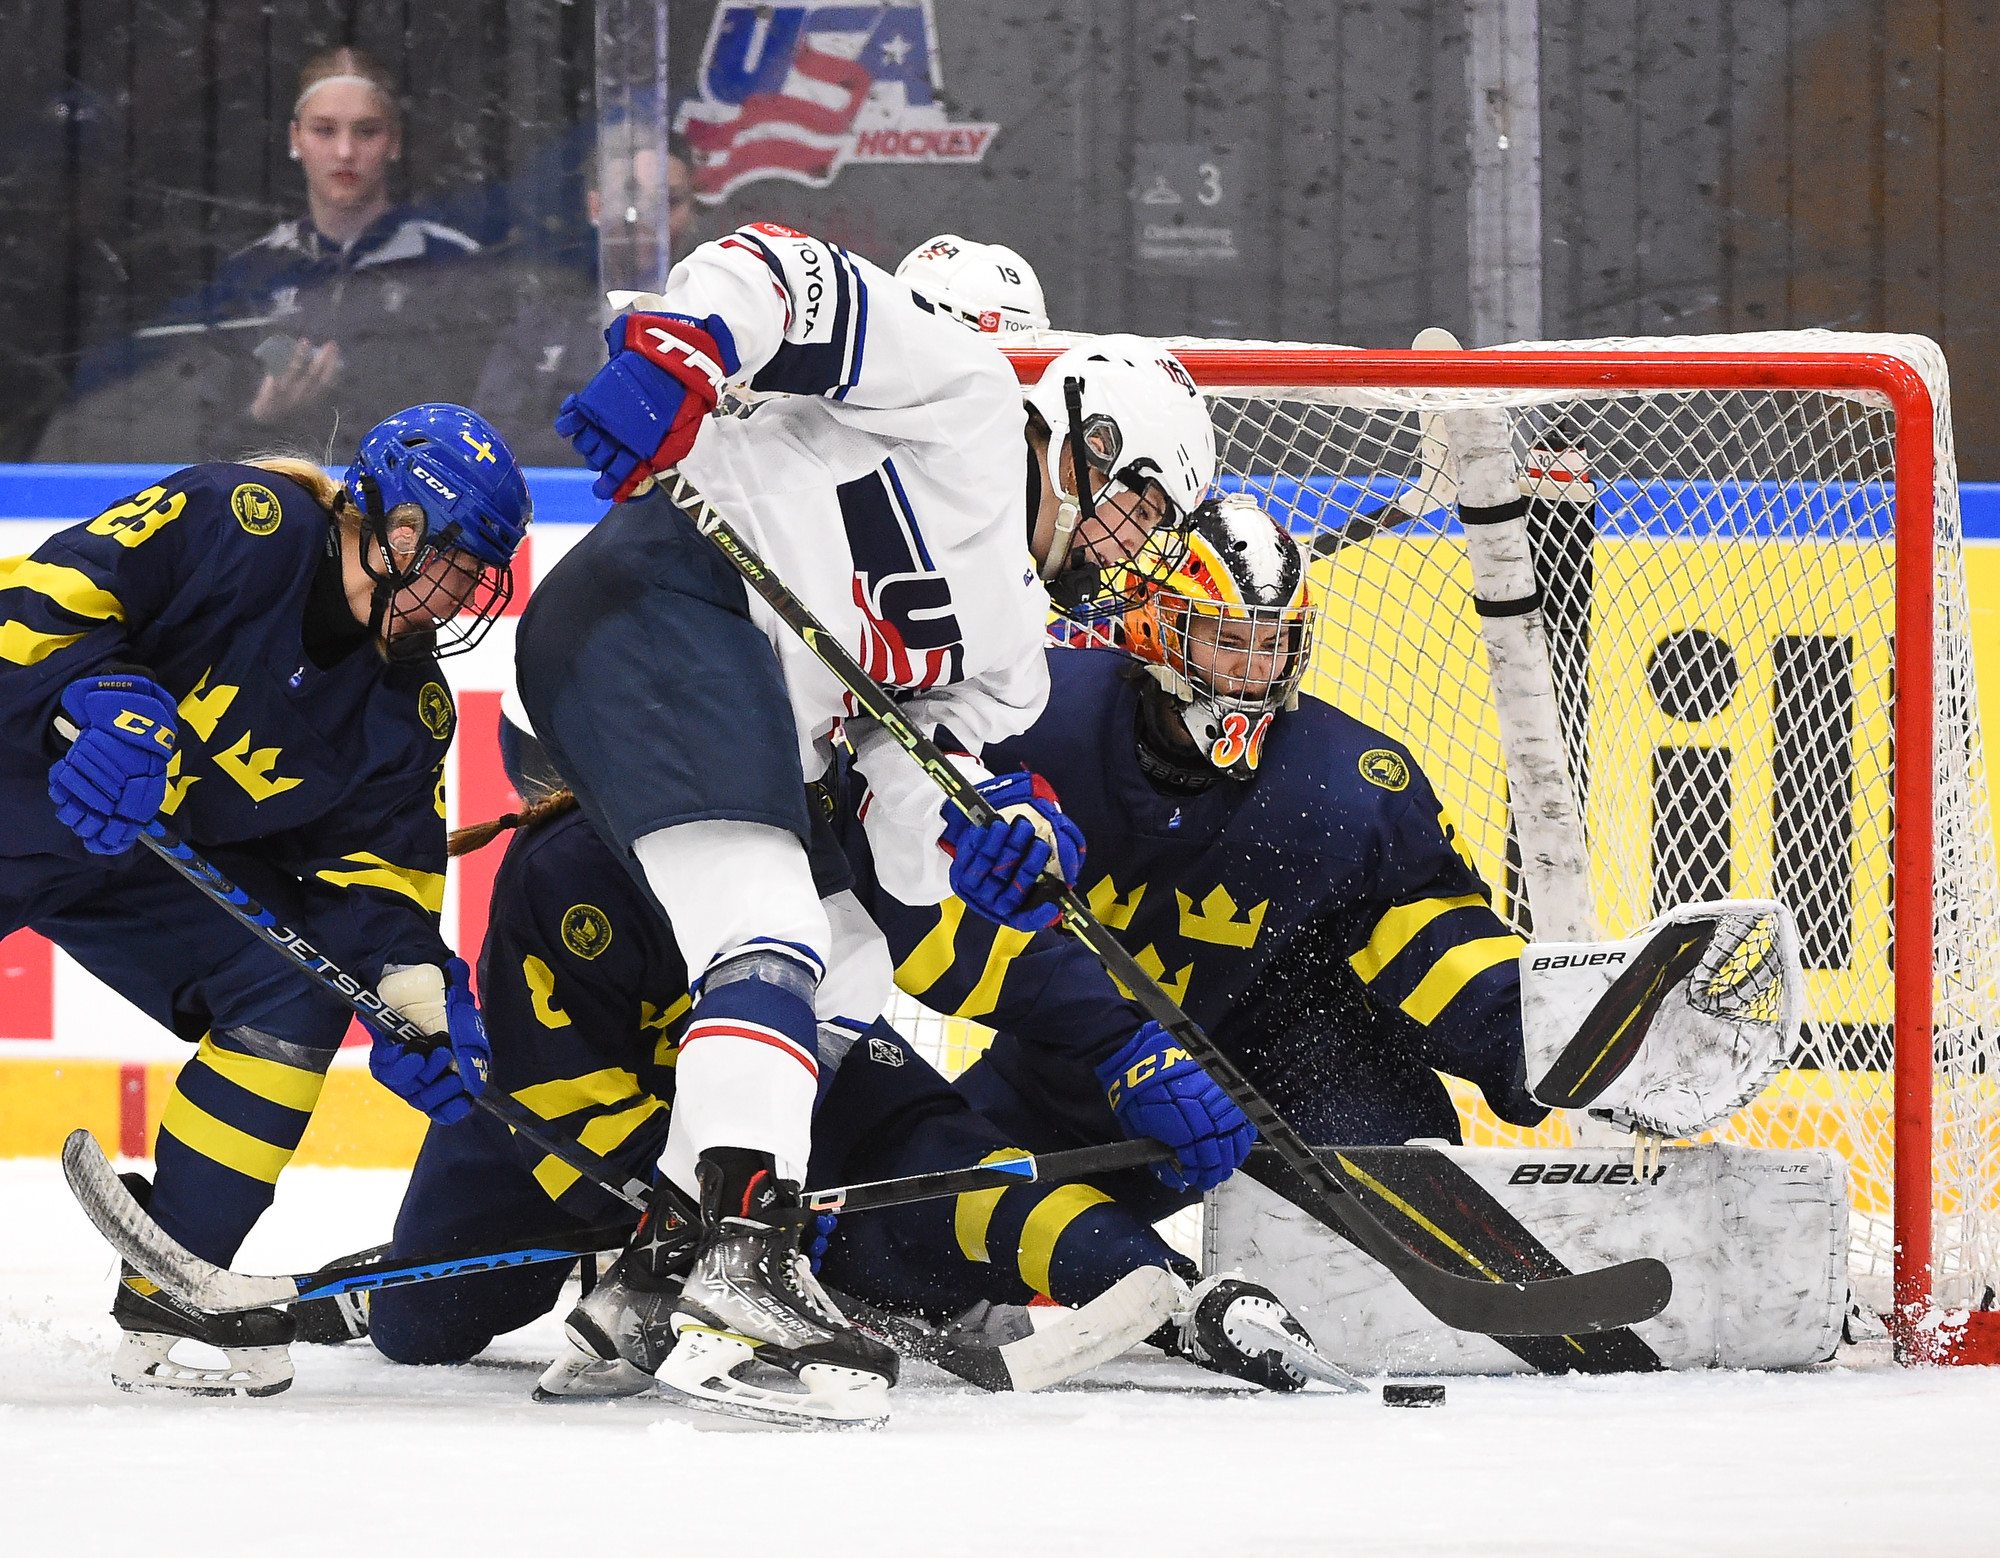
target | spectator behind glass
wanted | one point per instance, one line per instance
(317, 330)
(556, 340)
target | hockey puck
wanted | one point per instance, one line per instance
(1413, 1395)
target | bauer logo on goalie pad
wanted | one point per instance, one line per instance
(1581, 1174)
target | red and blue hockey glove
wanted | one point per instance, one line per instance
(1157, 1089)
(641, 411)
(996, 867)
(424, 1079)
(113, 779)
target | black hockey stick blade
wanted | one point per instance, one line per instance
(1598, 1300)
(1617, 1025)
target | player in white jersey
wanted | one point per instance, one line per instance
(893, 479)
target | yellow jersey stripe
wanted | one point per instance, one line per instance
(70, 588)
(1046, 1224)
(600, 1135)
(973, 1214)
(541, 990)
(199, 1131)
(1455, 970)
(24, 646)
(566, 1095)
(931, 959)
(1007, 945)
(292, 1086)
(423, 888)
(1399, 927)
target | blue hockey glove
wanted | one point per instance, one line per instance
(424, 1079)
(639, 414)
(112, 780)
(995, 868)
(1157, 1089)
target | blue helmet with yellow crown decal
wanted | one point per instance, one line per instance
(456, 469)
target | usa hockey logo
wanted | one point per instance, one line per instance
(801, 91)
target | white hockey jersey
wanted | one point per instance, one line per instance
(883, 482)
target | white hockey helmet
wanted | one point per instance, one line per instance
(985, 286)
(1130, 409)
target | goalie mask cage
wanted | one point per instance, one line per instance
(1755, 595)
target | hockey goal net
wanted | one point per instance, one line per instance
(1755, 595)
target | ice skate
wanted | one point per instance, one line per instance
(620, 1331)
(1240, 1329)
(255, 1344)
(755, 1334)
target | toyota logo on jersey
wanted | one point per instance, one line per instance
(800, 91)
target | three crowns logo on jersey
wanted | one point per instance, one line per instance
(801, 91)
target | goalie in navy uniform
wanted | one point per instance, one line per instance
(1286, 871)
(1291, 877)
(894, 481)
(249, 654)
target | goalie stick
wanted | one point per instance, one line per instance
(131, 1231)
(1590, 1301)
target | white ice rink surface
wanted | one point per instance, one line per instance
(1148, 1457)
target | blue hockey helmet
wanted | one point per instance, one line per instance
(457, 469)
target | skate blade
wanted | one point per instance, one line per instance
(702, 1373)
(1309, 1361)
(583, 1376)
(143, 1366)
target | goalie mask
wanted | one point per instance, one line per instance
(1127, 409)
(1229, 633)
(984, 286)
(450, 563)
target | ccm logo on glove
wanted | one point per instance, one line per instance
(1157, 1089)
(112, 781)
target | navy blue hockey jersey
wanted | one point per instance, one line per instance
(332, 779)
(1323, 923)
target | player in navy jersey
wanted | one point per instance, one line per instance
(249, 654)
(586, 998)
(1286, 871)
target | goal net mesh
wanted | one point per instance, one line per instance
(1719, 578)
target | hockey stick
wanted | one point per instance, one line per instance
(1591, 1301)
(322, 970)
(129, 1229)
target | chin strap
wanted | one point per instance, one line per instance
(1069, 511)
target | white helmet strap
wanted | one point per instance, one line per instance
(1083, 507)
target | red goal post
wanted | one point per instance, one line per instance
(1885, 413)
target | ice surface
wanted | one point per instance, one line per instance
(1146, 1457)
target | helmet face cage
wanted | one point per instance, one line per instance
(431, 579)
(1090, 593)
(452, 466)
(1234, 628)
(1237, 659)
